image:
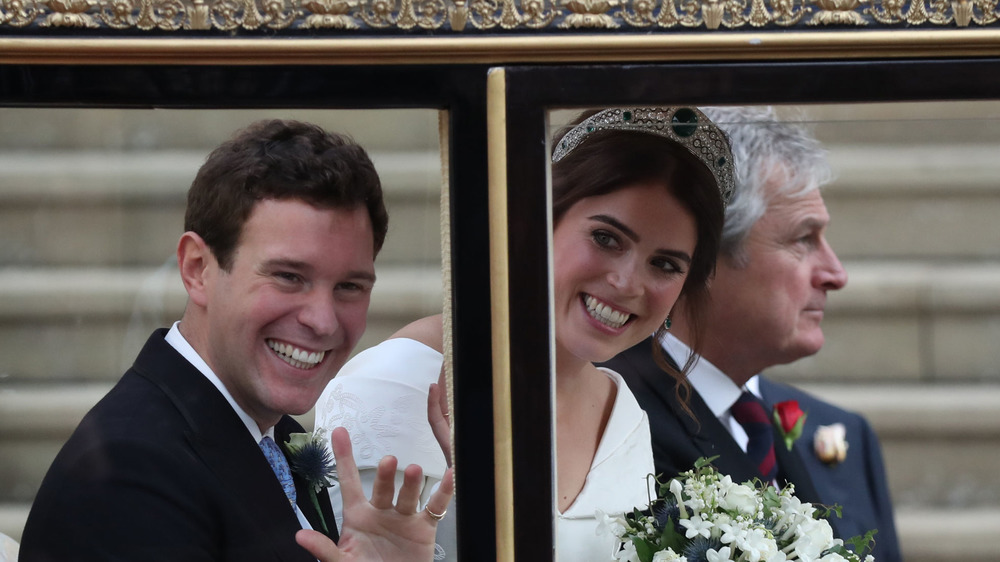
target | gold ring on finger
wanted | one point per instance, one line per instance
(435, 516)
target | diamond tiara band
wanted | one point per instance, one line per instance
(686, 126)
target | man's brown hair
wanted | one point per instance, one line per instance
(280, 159)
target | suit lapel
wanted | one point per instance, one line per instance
(248, 478)
(791, 467)
(221, 440)
(705, 432)
(714, 439)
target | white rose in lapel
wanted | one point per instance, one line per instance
(830, 443)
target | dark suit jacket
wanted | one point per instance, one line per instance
(858, 484)
(162, 468)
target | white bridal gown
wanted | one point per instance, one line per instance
(617, 482)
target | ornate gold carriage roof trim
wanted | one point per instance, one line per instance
(467, 17)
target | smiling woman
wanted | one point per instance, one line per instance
(620, 262)
(637, 216)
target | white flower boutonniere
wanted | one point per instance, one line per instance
(309, 458)
(830, 443)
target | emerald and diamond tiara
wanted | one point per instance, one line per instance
(686, 126)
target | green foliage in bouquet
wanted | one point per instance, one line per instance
(703, 516)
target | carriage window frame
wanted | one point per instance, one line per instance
(528, 93)
(453, 92)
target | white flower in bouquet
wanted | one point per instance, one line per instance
(667, 556)
(627, 554)
(738, 497)
(703, 516)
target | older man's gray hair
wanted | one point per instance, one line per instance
(765, 150)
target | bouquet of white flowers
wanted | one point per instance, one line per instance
(704, 516)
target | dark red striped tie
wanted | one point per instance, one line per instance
(750, 413)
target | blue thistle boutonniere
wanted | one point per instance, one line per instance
(309, 458)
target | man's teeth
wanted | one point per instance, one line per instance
(604, 313)
(296, 357)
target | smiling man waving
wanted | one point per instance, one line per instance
(184, 459)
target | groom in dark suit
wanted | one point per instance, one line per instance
(764, 308)
(184, 459)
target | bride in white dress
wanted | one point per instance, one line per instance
(638, 200)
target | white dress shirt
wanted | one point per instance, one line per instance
(716, 388)
(177, 341)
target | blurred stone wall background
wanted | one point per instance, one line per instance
(913, 341)
(91, 206)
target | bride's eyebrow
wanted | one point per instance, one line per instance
(612, 221)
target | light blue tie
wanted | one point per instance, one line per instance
(279, 465)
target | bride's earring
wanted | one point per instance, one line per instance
(666, 323)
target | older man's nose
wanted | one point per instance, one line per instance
(831, 275)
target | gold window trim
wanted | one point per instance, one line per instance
(590, 48)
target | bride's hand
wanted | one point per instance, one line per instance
(438, 415)
(378, 530)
